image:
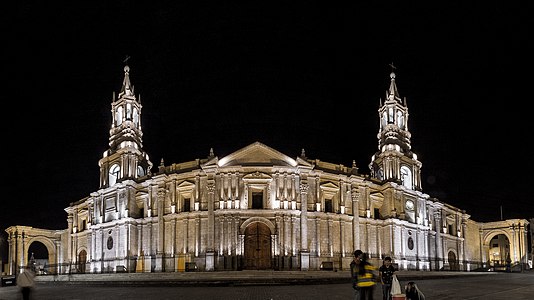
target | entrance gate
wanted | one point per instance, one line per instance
(257, 247)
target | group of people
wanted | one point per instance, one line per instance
(365, 276)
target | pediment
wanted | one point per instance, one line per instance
(376, 196)
(257, 176)
(329, 186)
(257, 154)
(185, 185)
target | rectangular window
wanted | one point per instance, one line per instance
(328, 205)
(110, 204)
(257, 200)
(377, 213)
(187, 205)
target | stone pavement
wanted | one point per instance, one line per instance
(234, 278)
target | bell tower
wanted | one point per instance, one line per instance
(125, 158)
(394, 161)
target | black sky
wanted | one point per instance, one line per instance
(291, 76)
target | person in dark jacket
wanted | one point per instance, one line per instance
(385, 272)
(363, 277)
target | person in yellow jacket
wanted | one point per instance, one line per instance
(363, 276)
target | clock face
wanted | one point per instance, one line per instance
(409, 204)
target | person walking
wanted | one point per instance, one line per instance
(362, 276)
(413, 292)
(385, 273)
(25, 282)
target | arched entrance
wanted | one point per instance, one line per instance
(499, 252)
(38, 257)
(257, 247)
(453, 263)
(82, 260)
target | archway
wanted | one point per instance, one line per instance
(38, 257)
(82, 260)
(499, 252)
(453, 263)
(257, 247)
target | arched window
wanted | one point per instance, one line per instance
(400, 120)
(118, 116)
(114, 174)
(140, 171)
(380, 174)
(128, 111)
(406, 177)
(135, 117)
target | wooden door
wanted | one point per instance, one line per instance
(82, 259)
(257, 247)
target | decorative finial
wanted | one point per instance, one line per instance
(161, 163)
(393, 68)
(125, 61)
(303, 153)
(354, 163)
(211, 152)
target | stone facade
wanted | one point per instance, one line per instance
(258, 208)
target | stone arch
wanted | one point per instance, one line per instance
(497, 259)
(81, 260)
(452, 259)
(489, 234)
(49, 244)
(257, 219)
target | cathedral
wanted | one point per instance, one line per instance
(258, 208)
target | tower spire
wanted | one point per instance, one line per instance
(394, 161)
(392, 93)
(127, 88)
(125, 159)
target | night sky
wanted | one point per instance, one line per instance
(291, 76)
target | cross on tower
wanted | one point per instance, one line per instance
(392, 67)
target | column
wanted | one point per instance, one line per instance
(439, 241)
(330, 237)
(20, 251)
(160, 246)
(342, 237)
(318, 236)
(58, 256)
(287, 235)
(304, 250)
(210, 249)
(197, 236)
(355, 220)
(293, 235)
